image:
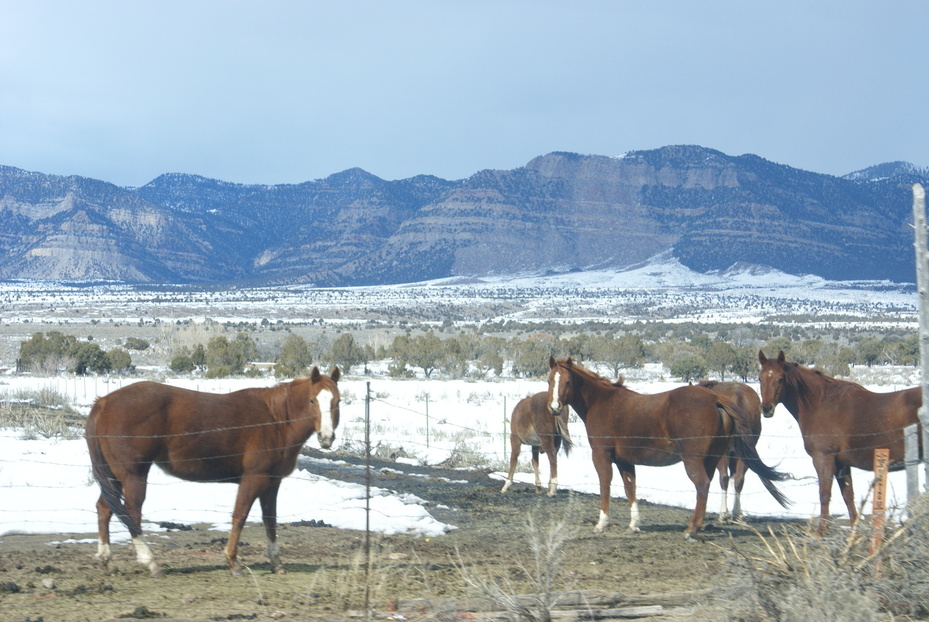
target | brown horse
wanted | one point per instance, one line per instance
(532, 424)
(688, 424)
(842, 423)
(250, 437)
(744, 398)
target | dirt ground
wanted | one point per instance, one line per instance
(326, 576)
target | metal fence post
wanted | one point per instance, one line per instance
(922, 286)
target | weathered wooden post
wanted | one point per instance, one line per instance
(881, 459)
(922, 286)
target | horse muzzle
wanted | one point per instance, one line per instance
(325, 441)
(767, 410)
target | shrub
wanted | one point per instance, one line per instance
(688, 367)
(182, 363)
(134, 343)
(120, 361)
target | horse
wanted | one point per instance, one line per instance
(689, 424)
(531, 424)
(842, 423)
(251, 437)
(745, 398)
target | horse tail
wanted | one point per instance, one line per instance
(746, 452)
(561, 424)
(110, 488)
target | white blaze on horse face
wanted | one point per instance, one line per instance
(555, 406)
(325, 433)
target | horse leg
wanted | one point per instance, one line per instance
(825, 470)
(843, 477)
(627, 472)
(740, 469)
(134, 496)
(700, 473)
(723, 468)
(104, 513)
(604, 468)
(552, 453)
(535, 468)
(249, 490)
(268, 500)
(514, 456)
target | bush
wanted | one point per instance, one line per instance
(294, 357)
(120, 361)
(134, 343)
(688, 367)
(182, 363)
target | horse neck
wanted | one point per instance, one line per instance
(285, 401)
(587, 392)
(807, 394)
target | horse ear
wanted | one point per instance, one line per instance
(335, 374)
(781, 358)
(314, 374)
(761, 357)
(569, 362)
(551, 361)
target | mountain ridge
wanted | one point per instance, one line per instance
(561, 211)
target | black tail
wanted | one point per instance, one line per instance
(561, 423)
(746, 452)
(110, 488)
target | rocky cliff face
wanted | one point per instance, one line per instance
(560, 212)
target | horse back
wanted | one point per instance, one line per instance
(852, 421)
(531, 419)
(190, 434)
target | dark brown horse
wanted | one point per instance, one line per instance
(250, 437)
(532, 424)
(688, 424)
(842, 423)
(744, 398)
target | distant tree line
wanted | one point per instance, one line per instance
(689, 352)
(56, 352)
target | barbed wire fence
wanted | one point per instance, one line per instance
(487, 439)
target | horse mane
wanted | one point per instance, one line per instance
(591, 376)
(793, 375)
(708, 384)
(277, 397)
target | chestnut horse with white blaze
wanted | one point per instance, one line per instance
(532, 424)
(688, 424)
(251, 437)
(744, 398)
(842, 423)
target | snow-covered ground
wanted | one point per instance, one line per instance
(47, 485)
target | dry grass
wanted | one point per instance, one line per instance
(835, 578)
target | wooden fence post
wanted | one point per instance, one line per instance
(881, 459)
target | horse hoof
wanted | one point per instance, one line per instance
(157, 572)
(632, 529)
(279, 570)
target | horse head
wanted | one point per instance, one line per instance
(772, 379)
(559, 384)
(324, 399)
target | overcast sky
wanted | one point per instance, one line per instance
(287, 91)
